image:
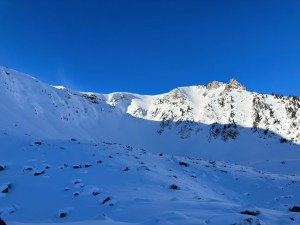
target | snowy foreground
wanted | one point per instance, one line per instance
(108, 183)
(208, 155)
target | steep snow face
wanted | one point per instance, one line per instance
(192, 118)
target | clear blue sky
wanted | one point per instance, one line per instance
(153, 46)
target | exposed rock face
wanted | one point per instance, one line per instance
(214, 85)
(234, 84)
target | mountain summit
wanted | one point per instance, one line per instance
(233, 83)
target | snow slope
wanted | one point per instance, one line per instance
(72, 177)
(195, 155)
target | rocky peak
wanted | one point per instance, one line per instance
(234, 84)
(214, 85)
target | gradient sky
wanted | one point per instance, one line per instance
(153, 46)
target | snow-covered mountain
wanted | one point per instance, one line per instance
(214, 154)
(186, 120)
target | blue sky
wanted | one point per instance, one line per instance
(153, 46)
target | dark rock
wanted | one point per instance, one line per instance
(2, 167)
(87, 165)
(27, 168)
(295, 209)
(62, 215)
(249, 220)
(38, 143)
(99, 161)
(251, 213)
(5, 188)
(76, 166)
(183, 164)
(38, 173)
(126, 169)
(174, 187)
(105, 200)
(2, 222)
(95, 193)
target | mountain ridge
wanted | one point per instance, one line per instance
(226, 108)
